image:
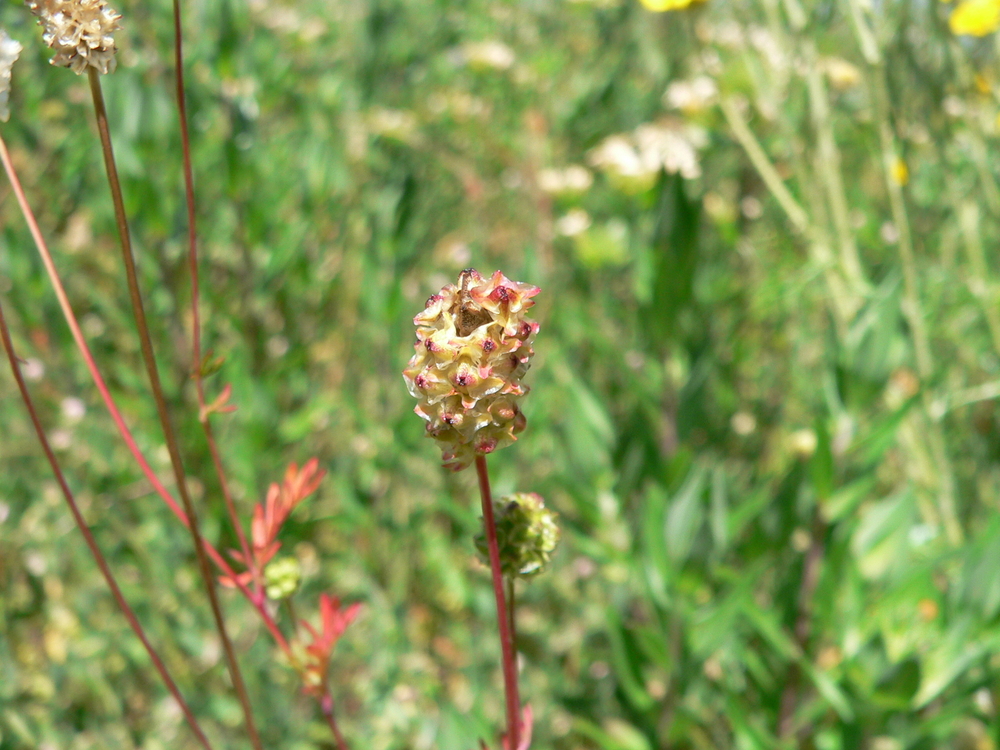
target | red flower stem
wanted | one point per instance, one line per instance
(326, 704)
(88, 537)
(169, 434)
(109, 402)
(195, 291)
(503, 619)
(510, 611)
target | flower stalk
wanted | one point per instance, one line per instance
(504, 617)
(152, 372)
(88, 536)
(192, 235)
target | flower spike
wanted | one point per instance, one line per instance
(473, 348)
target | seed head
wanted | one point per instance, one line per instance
(9, 51)
(473, 347)
(80, 32)
(527, 534)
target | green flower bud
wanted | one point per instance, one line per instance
(282, 578)
(527, 534)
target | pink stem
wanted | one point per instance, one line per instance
(109, 401)
(326, 704)
(195, 289)
(88, 537)
(506, 634)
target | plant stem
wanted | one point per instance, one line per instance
(109, 402)
(803, 626)
(149, 358)
(88, 537)
(326, 704)
(510, 611)
(793, 210)
(503, 618)
(192, 233)
(911, 307)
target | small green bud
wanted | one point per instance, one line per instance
(282, 578)
(527, 534)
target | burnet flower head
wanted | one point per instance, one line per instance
(473, 347)
(80, 31)
(9, 51)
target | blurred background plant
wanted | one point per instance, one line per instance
(763, 401)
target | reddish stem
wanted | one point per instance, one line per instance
(326, 704)
(88, 537)
(503, 618)
(109, 401)
(196, 287)
(169, 434)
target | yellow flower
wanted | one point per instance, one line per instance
(975, 17)
(900, 172)
(658, 6)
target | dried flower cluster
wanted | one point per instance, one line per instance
(9, 51)
(80, 32)
(527, 534)
(473, 347)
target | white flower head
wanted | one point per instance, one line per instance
(636, 158)
(80, 31)
(691, 96)
(9, 51)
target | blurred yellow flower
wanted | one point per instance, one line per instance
(658, 6)
(975, 17)
(900, 172)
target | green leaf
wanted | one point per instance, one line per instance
(881, 539)
(628, 680)
(685, 516)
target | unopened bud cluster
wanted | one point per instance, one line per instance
(527, 534)
(473, 347)
(80, 32)
(282, 578)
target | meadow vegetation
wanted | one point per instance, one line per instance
(763, 397)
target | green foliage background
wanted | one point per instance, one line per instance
(767, 422)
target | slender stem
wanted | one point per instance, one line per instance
(149, 358)
(506, 633)
(793, 210)
(192, 233)
(88, 537)
(912, 309)
(326, 704)
(510, 611)
(803, 626)
(109, 402)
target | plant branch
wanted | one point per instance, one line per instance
(506, 634)
(88, 537)
(326, 705)
(803, 627)
(196, 355)
(912, 309)
(152, 372)
(109, 402)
